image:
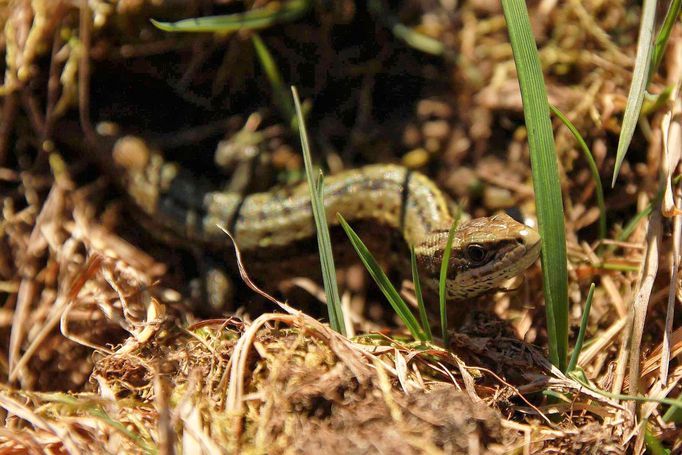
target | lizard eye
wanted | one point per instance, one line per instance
(476, 253)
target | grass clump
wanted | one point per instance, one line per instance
(316, 186)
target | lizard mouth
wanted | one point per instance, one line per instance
(523, 255)
(533, 245)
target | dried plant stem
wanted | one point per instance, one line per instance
(641, 302)
(672, 291)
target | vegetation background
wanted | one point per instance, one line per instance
(107, 346)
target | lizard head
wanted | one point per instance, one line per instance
(485, 253)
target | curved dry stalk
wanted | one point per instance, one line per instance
(639, 307)
(340, 345)
(247, 280)
(66, 333)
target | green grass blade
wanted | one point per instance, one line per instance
(579, 376)
(280, 95)
(653, 445)
(632, 224)
(616, 267)
(95, 408)
(100, 413)
(256, 19)
(412, 38)
(581, 334)
(638, 86)
(323, 241)
(599, 190)
(663, 36)
(545, 177)
(380, 278)
(654, 103)
(674, 413)
(416, 40)
(442, 282)
(420, 298)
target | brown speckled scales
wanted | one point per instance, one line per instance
(486, 251)
(283, 216)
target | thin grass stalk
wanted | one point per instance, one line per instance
(420, 297)
(581, 334)
(324, 244)
(442, 281)
(279, 92)
(587, 153)
(653, 445)
(632, 224)
(674, 413)
(579, 377)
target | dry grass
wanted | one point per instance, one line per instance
(99, 353)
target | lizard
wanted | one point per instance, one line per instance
(486, 251)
